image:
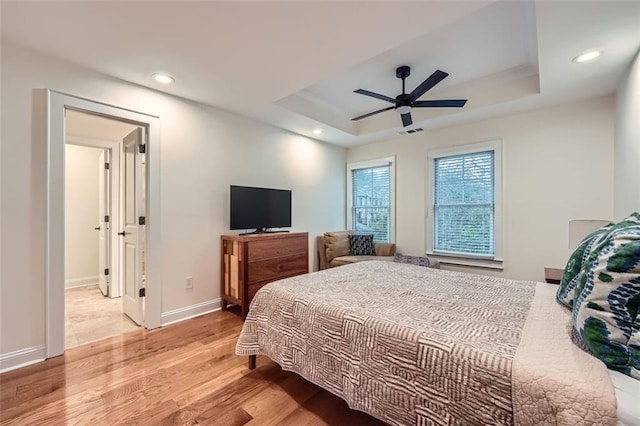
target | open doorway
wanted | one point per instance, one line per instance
(104, 181)
(55, 106)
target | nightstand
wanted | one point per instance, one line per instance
(553, 275)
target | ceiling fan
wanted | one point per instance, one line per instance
(404, 102)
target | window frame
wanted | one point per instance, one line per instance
(391, 162)
(496, 261)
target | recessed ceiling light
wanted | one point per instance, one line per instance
(163, 78)
(317, 131)
(587, 56)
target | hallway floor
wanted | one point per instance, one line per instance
(89, 316)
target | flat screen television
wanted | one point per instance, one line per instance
(259, 208)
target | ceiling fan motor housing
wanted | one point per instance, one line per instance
(403, 100)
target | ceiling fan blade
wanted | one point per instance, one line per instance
(406, 119)
(426, 85)
(372, 113)
(443, 103)
(375, 95)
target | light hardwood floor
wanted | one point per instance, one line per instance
(184, 374)
(89, 316)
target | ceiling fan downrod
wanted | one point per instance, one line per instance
(402, 72)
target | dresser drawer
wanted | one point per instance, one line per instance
(268, 249)
(271, 269)
(253, 288)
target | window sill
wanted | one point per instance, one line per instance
(468, 261)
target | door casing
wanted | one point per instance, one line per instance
(55, 105)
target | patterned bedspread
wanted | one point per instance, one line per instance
(406, 344)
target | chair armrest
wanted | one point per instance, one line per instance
(322, 253)
(385, 249)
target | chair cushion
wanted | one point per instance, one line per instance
(361, 245)
(607, 301)
(336, 244)
(413, 260)
(347, 260)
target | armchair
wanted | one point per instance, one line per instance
(333, 250)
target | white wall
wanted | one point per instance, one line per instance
(81, 215)
(558, 166)
(203, 151)
(627, 143)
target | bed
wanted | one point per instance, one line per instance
(414, 345)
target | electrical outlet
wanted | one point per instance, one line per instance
(188, 282)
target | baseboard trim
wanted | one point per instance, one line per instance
(22, 358)
(81, 282)
(181, 314)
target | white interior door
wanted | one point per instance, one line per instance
(104, 225)
(133, 233)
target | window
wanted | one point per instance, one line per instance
(465, 212)
(370, 198)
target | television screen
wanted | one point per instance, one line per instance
(260, 208)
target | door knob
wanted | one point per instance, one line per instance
(97, 228)
(123, 233)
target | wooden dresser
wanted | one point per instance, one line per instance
(251, 261)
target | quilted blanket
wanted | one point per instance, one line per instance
(407, 344)
(554, 381)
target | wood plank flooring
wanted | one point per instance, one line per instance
(185, 374)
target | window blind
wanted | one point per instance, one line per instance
(464, 204)
(371, 203)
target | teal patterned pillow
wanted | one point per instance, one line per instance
(566, 289)
(596, 246)
(607, 302)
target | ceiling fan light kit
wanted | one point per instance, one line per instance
(404, 102)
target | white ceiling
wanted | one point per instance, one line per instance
(295, 64)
